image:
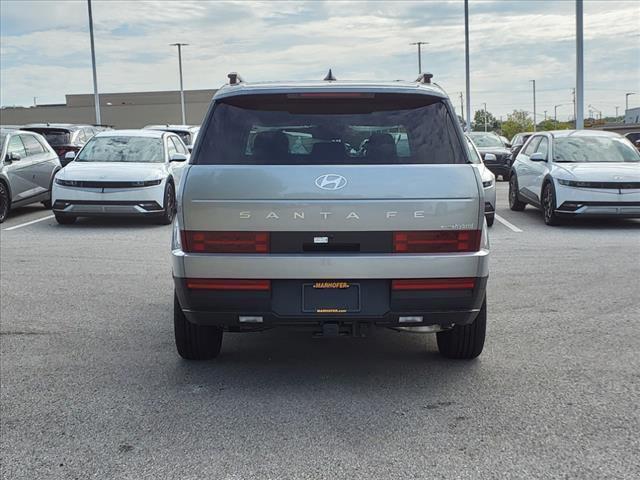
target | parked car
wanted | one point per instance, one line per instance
(28, 165)
(188, 133)
(517, 142)
(488, 181)
(63, 137)
(577, 173)
(121, 173)
(505, 141)
(488, 142)
(336, 240)
(633, 137)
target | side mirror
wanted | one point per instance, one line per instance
(69, 156)
(13, 157)
(538, 157)
(489, 157)
(508, 145)
(178, 157)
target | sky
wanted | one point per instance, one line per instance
(45, 48)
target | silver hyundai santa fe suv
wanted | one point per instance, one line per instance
(300, 207)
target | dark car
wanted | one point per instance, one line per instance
(63, 137)
(517, 142)
(633, 137)
(488, 142)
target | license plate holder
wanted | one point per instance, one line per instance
(331, 297)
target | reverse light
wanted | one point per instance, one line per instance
(434, 284)
(228, 284)
(437, 241)
(195, 241)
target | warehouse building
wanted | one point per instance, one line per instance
(121, 110)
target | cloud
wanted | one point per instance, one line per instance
(44, 48)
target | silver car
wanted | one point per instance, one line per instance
(324, 236)
(27, 170)
(488, 180)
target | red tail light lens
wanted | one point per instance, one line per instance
(225, 242)
(437, 241)
(227, 284)
(434, 284)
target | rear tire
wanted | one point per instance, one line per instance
(169, 205)
(490, 219)
(5, 202)
(65, 219)
(195, 342)
(514, 202)
(464, 341)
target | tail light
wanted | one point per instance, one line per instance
(434, 284)
(225, 242)
(228, 284)
(437, 241)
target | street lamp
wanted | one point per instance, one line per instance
(626, 101)
(579, 67)
(485, 116)
(180, 45)
(96, 97)
(535, 128)
(466, 62)
(419, 44)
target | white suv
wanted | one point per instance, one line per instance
(570, 173)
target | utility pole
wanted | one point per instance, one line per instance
(545, 115)
(626, 101)
(485, 117)
(579, 67)
(419, 44)
(466, 62)
(35, 103)
(96, 97)
(180, 45)
(617, 107)
(535, 121)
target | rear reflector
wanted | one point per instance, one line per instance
(434, 284)
(437, 241)
(225, 242)
(227, 284)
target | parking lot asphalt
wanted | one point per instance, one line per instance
(92, 387)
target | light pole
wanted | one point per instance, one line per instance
(180, 45)
(96, 97)
(579, 68)
(545, 115)
(466, 62)
(419, 44)
(617, 107)
(485, 116)
(626, 101)
(535, 128)
(555, 113)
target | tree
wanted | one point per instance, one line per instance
(517, 121)
(479, 121)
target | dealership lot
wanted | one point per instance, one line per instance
(92, 385)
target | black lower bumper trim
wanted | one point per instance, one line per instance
(282, 306)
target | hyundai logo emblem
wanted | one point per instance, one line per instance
(331, 181)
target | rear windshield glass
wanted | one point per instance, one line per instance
(122, 149)
(53, 136)
(594, 149)
(313, 129)
(483, 140)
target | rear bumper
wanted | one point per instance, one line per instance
(282, 306)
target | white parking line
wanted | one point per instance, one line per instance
(30, 223)
(508, 224)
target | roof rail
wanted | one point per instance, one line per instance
(329, 77)
(235, 78)
(424, 78)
